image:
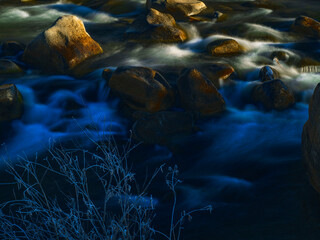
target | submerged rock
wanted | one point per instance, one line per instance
(273, 94)
(11, 103)
(311, 140)
(8, 67)
(307, 27)
(224, 48)
(198, 93)
(162, 127)
(268, 73)
(61, 47)
(142, 88)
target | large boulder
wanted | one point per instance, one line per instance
(268, 73)
(307, 26)
(198, 93)
(224, 48)
(61, 47)
(273, 94)
(11, 103)
(142, 88)
(311, 140)
(162, 127)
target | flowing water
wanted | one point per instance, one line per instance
(246, 163)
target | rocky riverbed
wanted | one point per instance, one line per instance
(220, 88)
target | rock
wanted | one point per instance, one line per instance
(311, 140)
(273, 94)
(224, 48)
(11, 103)
(185, 7)
(161, 127)
(307, 27)
(177, 7)
(217, 73)
(268, 73)
(11, 48)
(61, 47)
(8, 67)
(142, 88)
(155, 17)
(157, 27)
(280, 55)
(198, 94)
(167, 34)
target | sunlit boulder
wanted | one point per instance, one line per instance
(224, 48)
(61, 47)
(156, 26)
(178, 7)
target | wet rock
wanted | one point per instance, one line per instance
(273, 94)
(8, 67)
(142, 88)
(224, 48)
(11, 103)
(177, 7)
(168, 34)
(280, 55)
(155, 17)
(268, 73)
(185, 7)
(163, 127)
(157, 27)
(307, 26)
(11, 48)
(217, 73)
(61, 47)
(311, 140)
(198, 93)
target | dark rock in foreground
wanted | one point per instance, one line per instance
(62, 46)
(11, 102)
(142, 88)
(273, 94)
(198, 93)
(311, 140)
(162, 127)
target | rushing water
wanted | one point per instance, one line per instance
(247, 163)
